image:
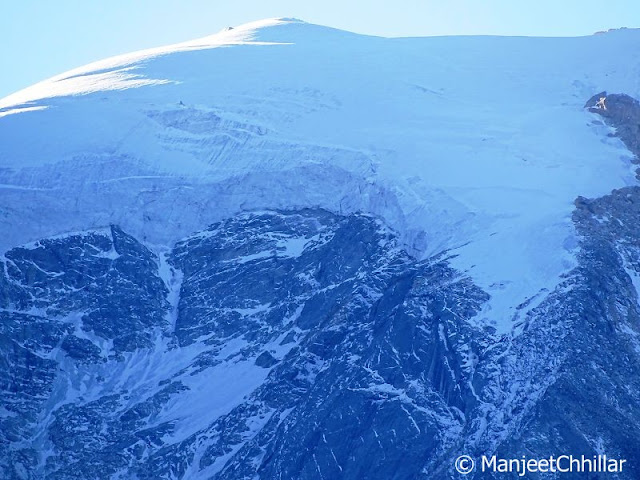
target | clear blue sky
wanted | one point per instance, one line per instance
(41, 38)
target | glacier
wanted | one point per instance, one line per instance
(461, 137)
(185, 236)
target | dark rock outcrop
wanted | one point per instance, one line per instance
(308, 345)
(622, 112)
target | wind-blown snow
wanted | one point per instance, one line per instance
(119, 73)
(475, 144)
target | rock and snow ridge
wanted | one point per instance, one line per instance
(476, 145)
(475, 331)
(340, 357)
(247, 346)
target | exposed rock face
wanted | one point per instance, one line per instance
(284, 320)
(304, 344)
(69, 304)
(622, 112)
(585, 338)
(307, 345)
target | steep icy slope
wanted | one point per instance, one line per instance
(478, 144)
(286, 251)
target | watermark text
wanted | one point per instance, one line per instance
(553, 464)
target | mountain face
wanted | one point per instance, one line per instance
(290, 252)
(221, 353)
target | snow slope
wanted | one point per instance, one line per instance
(475, 144)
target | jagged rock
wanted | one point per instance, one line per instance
(302, 343)
(325, 305)
(622, 112)
(305, 344)
(596, 100)
(266, 360)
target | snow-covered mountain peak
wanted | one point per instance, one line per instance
(471, 144)
(287, 251)
(118, 72)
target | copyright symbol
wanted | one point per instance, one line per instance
(465, 464)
